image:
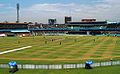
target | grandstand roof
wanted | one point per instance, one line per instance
(15, 31)
(13, 23)
(49, 29)
(88, 23)
(19, 31)
(114, 23)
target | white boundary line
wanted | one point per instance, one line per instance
(15, 49)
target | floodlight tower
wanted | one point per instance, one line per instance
(18, 10)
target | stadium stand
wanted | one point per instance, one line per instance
(89, 27)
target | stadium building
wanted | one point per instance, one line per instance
(68, 19)
(84, 27)
(93, 27)
(14, 29)
(47, 29)
(87, 27)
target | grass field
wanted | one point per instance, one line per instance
(60, 49)
(98, 70)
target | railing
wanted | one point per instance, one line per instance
(61, 66)
(51, 29)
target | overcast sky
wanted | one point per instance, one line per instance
(41, 10)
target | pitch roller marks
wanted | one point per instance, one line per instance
(8, 51)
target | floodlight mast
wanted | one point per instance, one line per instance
(18, 10)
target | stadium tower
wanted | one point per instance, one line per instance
(18, 9)
(68, 19)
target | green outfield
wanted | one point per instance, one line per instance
(60, 49)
